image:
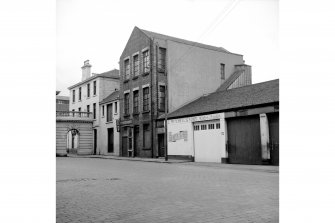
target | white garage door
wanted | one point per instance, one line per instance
(208, 141)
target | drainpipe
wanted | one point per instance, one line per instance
(151, 104)
(166, 102)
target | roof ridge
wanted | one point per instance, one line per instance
(190, 42)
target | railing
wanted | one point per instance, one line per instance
(74, 114)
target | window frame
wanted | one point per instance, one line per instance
(161, 61)
(73, 96)
(109, 114)
(94, 111)
(145, 61)
(126, 67)
(223, 71)
(136, 103)
(136, 65)
(79, 96)
(161, 100)
(88, 90)
(94, 88)
(126, 104)
(146, 99)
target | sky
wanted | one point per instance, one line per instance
(98, 30)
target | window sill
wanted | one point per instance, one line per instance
(161, 110)
(145, 73)
(135, 77)
(79, 100)
(144, 112)
(125, 81)
(136, 113)
(126, 115)
(108, 122)
(94, 95)
(160, 70)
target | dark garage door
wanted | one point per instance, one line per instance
(273, 119)
(244, 140)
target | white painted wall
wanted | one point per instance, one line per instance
(186, 148)
(103, 130)
(265, 135)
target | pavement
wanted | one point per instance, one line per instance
(117, 190)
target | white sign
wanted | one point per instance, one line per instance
(195, 118)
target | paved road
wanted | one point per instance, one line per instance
(100, 190)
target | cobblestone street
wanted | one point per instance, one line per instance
(102, 190)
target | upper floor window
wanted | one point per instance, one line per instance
(222, 71)
(135, 102)
(88, 90)
(136, 64)
(146, 61)
(127, 68)
(126, 104)
(94, 87)
(94, 110)
(88, 108)
(79, 94)
(115, 108)
(161, 59)
(146, 99)
(73, 96)
(103, 111)
(110, 112)
(79, 109)
(161, 97)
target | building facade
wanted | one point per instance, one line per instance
(86, 95)
(108, 135)
(161, 73)
(238, 126)
(62, 102)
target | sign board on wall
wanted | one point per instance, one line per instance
(178, 136)
(195, 118)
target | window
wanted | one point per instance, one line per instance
(94, 110)
(146, 61)
(135, 101)
(146, 136)
(161, 99)
(115, 108)
(103, 111)
(94, 87)
(110, 112)
(73, 96)
(161, 59)
(210, 126)
(222, 70)
(127, 68)
(88, 90)
(79, 94)
(136, 64)
(79, 109)
(196, 128)
(88, 108)
(217, 125)
(126, 104)
(203, 127)
(146, 99)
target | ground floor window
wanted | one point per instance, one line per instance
(146, 136)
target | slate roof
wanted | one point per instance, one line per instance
(114, 74)
(251, 95)
(171, 38)
(112, 97)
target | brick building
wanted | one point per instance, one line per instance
(62, 102)
(159, 74)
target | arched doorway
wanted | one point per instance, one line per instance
(72, 139)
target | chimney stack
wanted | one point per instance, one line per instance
(86, 69)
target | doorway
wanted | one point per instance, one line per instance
(110, 140)
(161, 147)
(95, 141)
(136, 139)
(273, 119)
(72, 141)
